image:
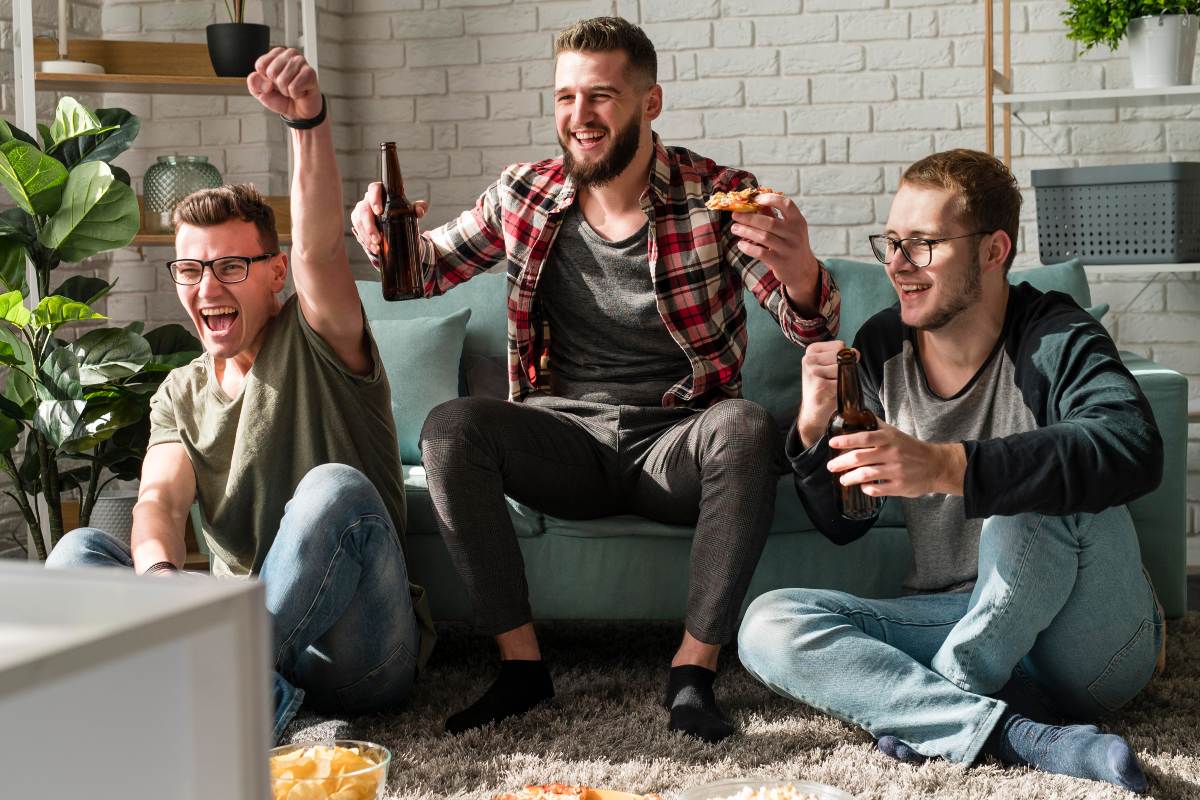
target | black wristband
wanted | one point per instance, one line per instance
(161, 566)
(305, 124)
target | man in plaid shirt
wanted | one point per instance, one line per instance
(626, 337)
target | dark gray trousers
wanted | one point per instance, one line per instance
(716, 468)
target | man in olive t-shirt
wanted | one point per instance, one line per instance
(282, 430)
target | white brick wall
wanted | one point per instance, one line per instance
(824, 99)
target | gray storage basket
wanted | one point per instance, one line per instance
(1130, 214)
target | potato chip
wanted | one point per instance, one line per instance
(324, 772)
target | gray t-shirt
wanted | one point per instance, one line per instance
(608, 341)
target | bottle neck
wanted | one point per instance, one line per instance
(389, 173)
(849, 392)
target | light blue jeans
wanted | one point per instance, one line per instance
(346, 636)
(1062, 618)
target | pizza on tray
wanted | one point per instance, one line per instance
(738, 200)
(558, 791)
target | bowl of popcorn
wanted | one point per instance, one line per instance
(342, 769)
(758, 789)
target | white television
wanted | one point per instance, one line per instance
(114, 686)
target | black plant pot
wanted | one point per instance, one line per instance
(233, 47)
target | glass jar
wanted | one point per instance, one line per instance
(170, 180)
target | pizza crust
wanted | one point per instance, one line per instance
(738, 200)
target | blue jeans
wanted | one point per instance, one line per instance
(1062, 617)
(346, 636)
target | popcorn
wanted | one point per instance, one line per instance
(786, 792)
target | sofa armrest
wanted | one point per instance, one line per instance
(1161, 516)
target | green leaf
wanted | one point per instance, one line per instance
(10, 434)
(47, 137)
(12, 265)
(120, 129)
(72, 119)
(33, 179)
(173, 338)
(121, 174)
(98, 213)
(13, 310)
(56, 310)
(58, 420)
(15, 223)
(102, 419)
(59, 376)
(9, 132)
(83, 288)
(137, 326)
(10, 410)
(110, 354)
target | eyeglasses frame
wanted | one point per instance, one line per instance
(210, 264)
(930, 243)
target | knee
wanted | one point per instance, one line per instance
(85, 547)
(742, 426)
(783, 624)
(332, 491)
(452, 424)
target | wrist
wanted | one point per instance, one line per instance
(310, 122)
(952, 457)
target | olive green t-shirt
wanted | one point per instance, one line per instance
(300, 407)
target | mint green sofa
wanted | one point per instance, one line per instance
(627, 567)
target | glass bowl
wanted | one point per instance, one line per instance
(294, 777)
(720, 790)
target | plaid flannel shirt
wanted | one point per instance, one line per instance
(698, 270)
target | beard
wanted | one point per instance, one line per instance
(963, 293)
(604, 169)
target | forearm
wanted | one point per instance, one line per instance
(804, 293)
(157, 535)
(316, 201)
(818, 491)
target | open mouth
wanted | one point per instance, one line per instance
(218, 318)
(913, 289)
(588, 138)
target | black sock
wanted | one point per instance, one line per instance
(891, 746)
(1081, 751)
(520, 686)
(692, 705)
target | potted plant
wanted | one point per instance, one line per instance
(234, 46)
(1162, 35)
(73, 413)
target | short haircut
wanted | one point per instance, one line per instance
(607, 34)
(239, 201)
(988, 197)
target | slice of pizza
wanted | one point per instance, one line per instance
(558, 791)
(738, 200)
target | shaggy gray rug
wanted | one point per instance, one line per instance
(606, 729)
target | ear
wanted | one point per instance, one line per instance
(652, 105)
(993, 251)
(279, 270)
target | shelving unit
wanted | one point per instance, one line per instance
(281, 204)
(998, 85)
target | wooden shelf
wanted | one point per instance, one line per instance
(137, 67)
(282, 204)
(1098, 98)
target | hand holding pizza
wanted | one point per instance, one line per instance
(779, 239)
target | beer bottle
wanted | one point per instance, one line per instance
(399, 251)
(851, 417)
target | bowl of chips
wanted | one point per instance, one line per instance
(341, 769)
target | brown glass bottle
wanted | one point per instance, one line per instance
(399, 250)
(852, 417)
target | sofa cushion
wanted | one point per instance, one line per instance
(421, 357)
(421, 519)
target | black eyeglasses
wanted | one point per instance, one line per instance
(917, 251)
(226, 269)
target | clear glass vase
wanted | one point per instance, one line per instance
(170, 180)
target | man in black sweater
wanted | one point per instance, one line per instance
(1013, 436)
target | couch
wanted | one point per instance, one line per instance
(628, 567)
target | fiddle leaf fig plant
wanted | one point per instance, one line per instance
(74, 410)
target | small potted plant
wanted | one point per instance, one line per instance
(74, 412)
(1162, 35)
(234, 46)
